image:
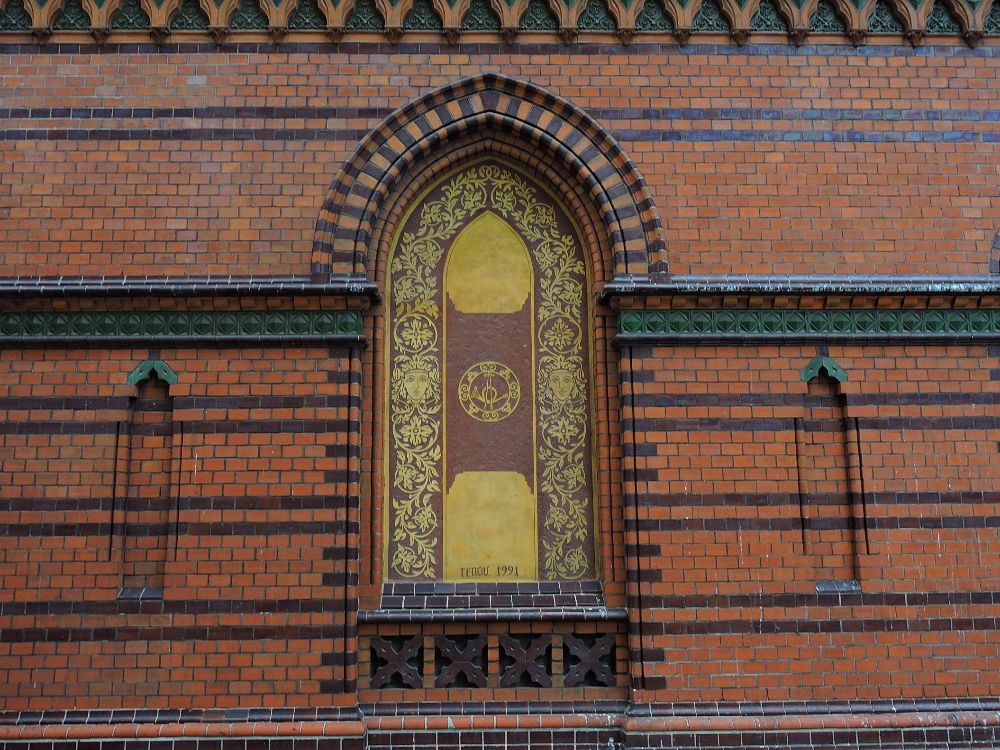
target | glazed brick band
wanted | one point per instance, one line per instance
(233, 426)
(318, 426)
(817, 626)
(741, 499)
(173, 606)
(304, 502)
(188, 633)
(798, 399)
(777, 424)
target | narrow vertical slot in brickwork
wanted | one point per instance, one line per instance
(824, 481)
(859, 495)
(148, 495)
(118, 477)
(800, 484)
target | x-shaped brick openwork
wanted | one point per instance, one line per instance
(461, 661)
(590, 660)
(526, 660)
(398, 662)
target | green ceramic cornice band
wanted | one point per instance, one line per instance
(778, 325)
(181, 327)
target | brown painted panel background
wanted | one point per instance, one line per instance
(473, 445)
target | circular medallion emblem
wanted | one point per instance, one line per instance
(489, 392)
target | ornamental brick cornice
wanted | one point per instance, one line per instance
(187, 286)
(851, 284)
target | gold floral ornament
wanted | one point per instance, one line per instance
(415, 391)
(489, 392)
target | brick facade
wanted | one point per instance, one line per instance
(793, 259)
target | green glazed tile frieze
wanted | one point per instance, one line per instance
(711, 19)
(942, 20)
(768, 18)
(365, 16)
(19, 327)
(72, 17)
(307, 15)
(884, 20)
(249, 17)
(778, 324)
(597, 17)
(653, 18)
(826, 20)
(131, 16)
(14, 16)
(189, 17)
(539, 17)
(480, 17)
(422, 17)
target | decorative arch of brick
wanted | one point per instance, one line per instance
(491, 113)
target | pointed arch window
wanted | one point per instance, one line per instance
(490, 472)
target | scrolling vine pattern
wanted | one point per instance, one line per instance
(415, 386)
(562, 403)
(415, 381)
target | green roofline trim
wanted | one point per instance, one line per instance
(824, 364)
(145, 371)
(734, 325)
(275, 326)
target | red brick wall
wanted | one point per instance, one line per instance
(254, 599)
(218, 162)
(730, 590)
(729, 487)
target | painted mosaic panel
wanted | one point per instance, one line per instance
(489, 433)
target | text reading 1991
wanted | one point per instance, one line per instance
(485, 571)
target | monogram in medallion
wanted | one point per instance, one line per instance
(489, 391)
